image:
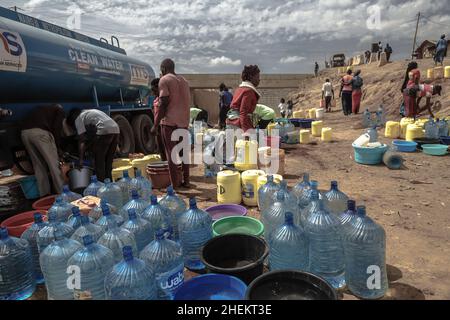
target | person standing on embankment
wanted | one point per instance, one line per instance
(357, 83)
(346, 93)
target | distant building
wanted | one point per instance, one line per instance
(427, 49)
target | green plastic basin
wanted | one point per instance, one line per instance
(241, 225)
(435, 149)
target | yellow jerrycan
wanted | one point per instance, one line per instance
(392, 130)
(249, 181)
(246, 155)
(413, 132)
(316, 128)
(305, 136)
(327, 134)
(117, 173)
(229, 187)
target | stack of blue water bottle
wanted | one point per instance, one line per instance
(332, 239)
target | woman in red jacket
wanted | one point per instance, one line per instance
(245, 99)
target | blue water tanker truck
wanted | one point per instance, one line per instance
(42, 63)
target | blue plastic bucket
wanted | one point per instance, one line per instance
(29, 187)
(212, 287)
(369, 155)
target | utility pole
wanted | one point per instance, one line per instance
(415, 36)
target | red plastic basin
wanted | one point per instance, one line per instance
(44, 203)
(17, 224)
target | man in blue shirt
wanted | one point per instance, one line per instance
(225, 98)
(441, 50)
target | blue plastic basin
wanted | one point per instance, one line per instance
(369, 155)
(212, 287)
(405, 146)
(302, 123)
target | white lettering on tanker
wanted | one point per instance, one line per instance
(99, 63)
(13, 55)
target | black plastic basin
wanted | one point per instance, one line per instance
(290, 285)
(421, 141)
(238, 255)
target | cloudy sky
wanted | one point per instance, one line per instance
(220, 36)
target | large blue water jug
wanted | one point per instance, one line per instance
(93, 187)
(87, 228)
(266, 193)
(442, 127)
(335, 199)
(288, 247)
(111, 193)
(136, 203)
(103, 221)
(274, 216)
(347, 217)
(367, 119)
(31, 236)
(125, 186)
(158, 216)
(365, 257)
(115, 238)
(97, 212)
(195, 228)
(313, 206)
(69, 196)
(75, 219)
(431, 129)
(302, 186)
(92, 262)
(166, 259)
(62, 208)
(176, 207)
(306, 198)
(140, 228)
(17, 278)
(326, 251)
(142, 185)
(289, 198)
(130, 279)
(47, 234)
(53, 261)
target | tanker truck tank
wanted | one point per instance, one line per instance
(43, 63)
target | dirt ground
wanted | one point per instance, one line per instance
(412, 204)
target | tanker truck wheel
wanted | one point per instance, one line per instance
(145, 142)
(126, 139)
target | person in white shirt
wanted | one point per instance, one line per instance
(328, 94)
(283, 107)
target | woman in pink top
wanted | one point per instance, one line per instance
(346, 93)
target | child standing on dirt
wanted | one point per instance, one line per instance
(328, 94)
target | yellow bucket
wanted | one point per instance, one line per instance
(316, 128)
(312, 113)
(327, 134)
(246, 155)
(392, 130)
(447, 72)
(300, 114)
(305, 136)
(413, 132)
(438, 72)
(430, 73)
(141, 164)
(249, 181)
(117, 173)
(117, 163)
(229, 187)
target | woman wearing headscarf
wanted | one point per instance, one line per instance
(244, 100)
(357, 83)
(409, 89)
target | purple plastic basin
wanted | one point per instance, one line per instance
(226, 210)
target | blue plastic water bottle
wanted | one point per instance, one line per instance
(111, 193)
(140, 228)
(166, 259)
(158, 216)
(93, 187)
(17, 280)
(195, 228)
(176, 207)
(130, 279)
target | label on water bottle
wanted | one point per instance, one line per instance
(82, 295)
(170, 281)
